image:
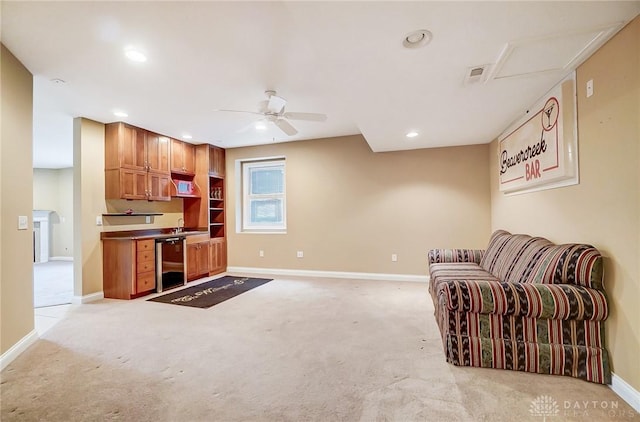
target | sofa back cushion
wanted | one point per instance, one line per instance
(510, 257)
(568, 264)
(518, 258)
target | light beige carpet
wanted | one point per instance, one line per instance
(290, 350)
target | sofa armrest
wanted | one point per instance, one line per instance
(534, 300)
(437, 256)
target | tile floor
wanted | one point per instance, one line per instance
(52, 283)
(49, 316)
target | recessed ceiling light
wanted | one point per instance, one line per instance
(417, 39)
(135, 55)
(261, 126)
(412, 134)
(120, 114)
(186, 136)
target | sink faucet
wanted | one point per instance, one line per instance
(180, 225)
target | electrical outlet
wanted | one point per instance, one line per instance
(98, 220)
(261, 254)
(300, 254)
(394, 257)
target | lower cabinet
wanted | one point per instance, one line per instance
(128, 268)
(197, 257)
(217, 256)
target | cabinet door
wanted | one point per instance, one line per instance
(216, 161)
(157, 152)
(158, 186)
(177, 156)
(197, 260)
(133, 148)
(133, 184)
(189, 158)
(192, 261)
(203, 258)
(217, 256)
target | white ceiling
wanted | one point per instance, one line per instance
(344, 59)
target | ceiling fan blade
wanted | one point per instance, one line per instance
(313, 117)
(238, 111)
(276, 104)
(286, 127)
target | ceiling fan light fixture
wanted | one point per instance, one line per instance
(417, 39)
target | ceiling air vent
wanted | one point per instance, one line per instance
(476, 74)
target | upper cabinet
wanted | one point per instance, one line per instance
(136, 164)
(183, 158)
(133, 148)
(216, 161)
(157, 152)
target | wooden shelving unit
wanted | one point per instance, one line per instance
(208, 211)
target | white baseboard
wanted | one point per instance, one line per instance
(77, 300)
(61, 258)
(15, 350)
(626, 392)
(331, 274)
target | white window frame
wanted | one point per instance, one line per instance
(245, 198)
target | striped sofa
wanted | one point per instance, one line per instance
(523, 304)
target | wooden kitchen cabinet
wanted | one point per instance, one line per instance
(132, 184)
(134, 148)
(197, 257)
(217, 256)
(216, 161)
(128, 268)
(157, 152)
(129, 147)
(136, 164)
(183, 157)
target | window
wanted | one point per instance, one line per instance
(263, 195)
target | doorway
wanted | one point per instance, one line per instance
(52, 237)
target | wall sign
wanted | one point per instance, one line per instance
(540, 151)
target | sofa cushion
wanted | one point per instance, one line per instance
(567, 264)
(511, 256)
(534, 300)
(439, 273)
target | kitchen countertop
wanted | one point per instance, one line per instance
(149, 234)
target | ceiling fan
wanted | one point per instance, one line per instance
(272, 110)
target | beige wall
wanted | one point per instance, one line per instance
(604, 209)
(16, 198)
(53, 190)
(349, 209)
(88, 202)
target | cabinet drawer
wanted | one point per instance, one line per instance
(146, 281)
(145, 266)
(146, 256)
(146, 245)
